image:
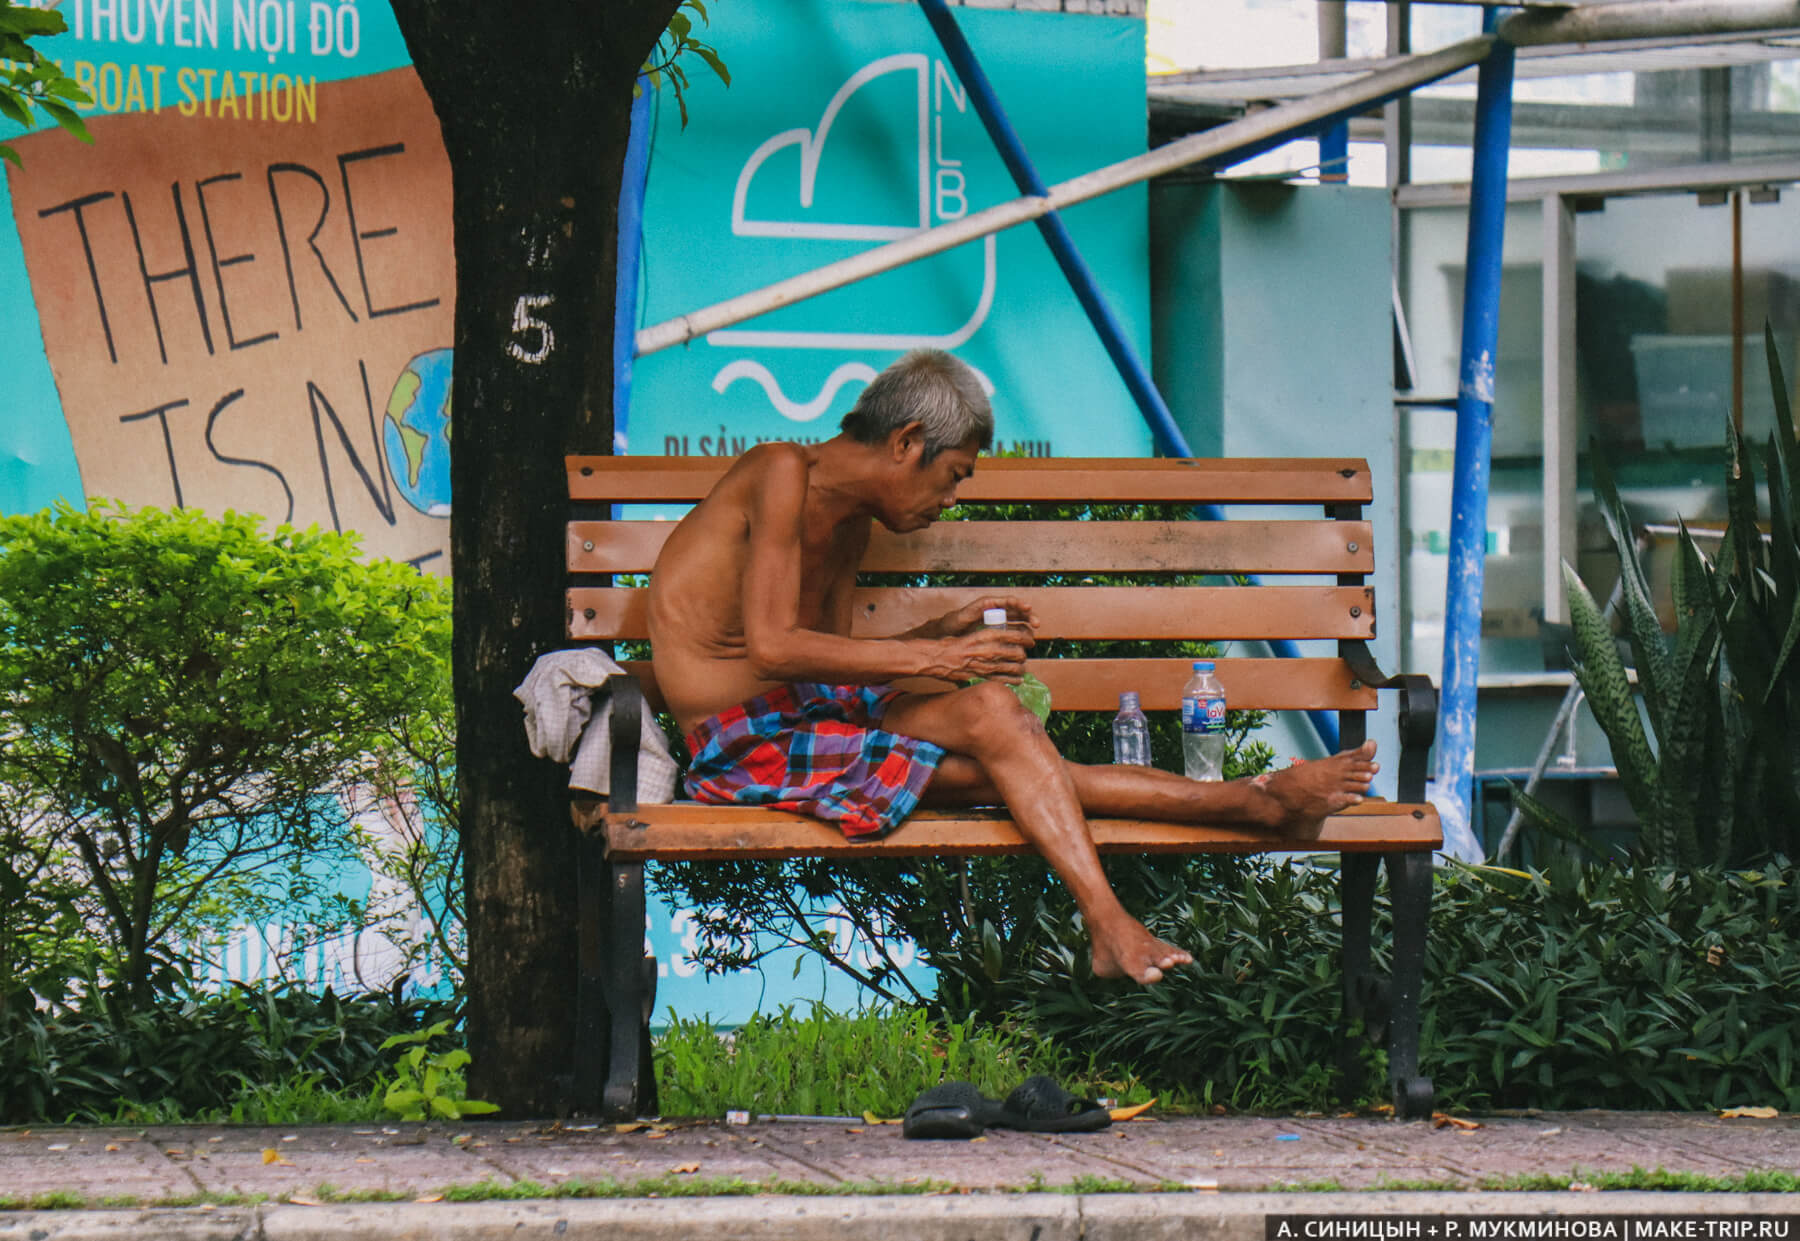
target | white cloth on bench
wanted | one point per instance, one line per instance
(558, 698)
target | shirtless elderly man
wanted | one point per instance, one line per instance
(750, 625)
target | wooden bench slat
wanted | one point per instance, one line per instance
(1233, 480)
(695, 833)
(1219, 612)
(1044, 547)
(1094, 684)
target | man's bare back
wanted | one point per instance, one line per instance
(697, 589)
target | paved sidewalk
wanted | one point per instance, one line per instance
(1230, 1154)
(1201, 1176)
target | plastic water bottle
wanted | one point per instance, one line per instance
(1131, 733)
(1203, 724)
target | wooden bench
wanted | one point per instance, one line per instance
(1335, 555)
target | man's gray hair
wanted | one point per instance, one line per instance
(932, 388)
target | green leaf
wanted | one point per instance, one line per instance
(13, 110)
(445, 1107)
(1553, 822)
(1648, 643)
(476, 1107)
(67, 118)
(1740, 505)
(34, 23)
(1608, 688)
(401, 1100)
(1784, 414)
(712, 59)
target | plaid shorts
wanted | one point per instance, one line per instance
(813, 749)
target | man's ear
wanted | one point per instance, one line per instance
(908, 443)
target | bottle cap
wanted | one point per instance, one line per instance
(1203, 665)
(994, 617)
(1128, 699)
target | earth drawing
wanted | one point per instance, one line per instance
(416, 433)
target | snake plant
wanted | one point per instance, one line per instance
(1709, 763)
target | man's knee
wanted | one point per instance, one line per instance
(992, 713)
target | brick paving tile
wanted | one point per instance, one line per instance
(392, 1158)
(998, 1159)
(99, 1163)
(602, 1153)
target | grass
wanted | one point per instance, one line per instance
(301, 1100)
(726, 1187)
(878, 1060)
(1760, 1181)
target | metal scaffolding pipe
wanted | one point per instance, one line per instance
(1240, 138)
(1649, 19)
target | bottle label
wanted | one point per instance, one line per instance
(1203, 715)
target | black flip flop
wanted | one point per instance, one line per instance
(1039, 1105)
(952, 1110)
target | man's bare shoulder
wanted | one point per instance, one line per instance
(775, 464)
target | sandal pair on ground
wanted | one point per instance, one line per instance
(1039, 1105)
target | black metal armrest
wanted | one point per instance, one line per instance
(627, 736)
(1418, 716)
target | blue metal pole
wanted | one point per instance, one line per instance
(1169, 439)
(630, 255)
(1075, 269)
(1474, 444)
(1334, 153)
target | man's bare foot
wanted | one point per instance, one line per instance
(1124, 949)
(1300, 795)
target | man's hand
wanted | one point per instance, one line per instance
(967, 618)
(993, 654)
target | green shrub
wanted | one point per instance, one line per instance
(183, 700)
(243, 1055)
(1573, 987)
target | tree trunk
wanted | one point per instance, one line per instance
(534, 100)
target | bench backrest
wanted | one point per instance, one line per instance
(1332, 541)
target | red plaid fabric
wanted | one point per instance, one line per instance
(813, 749)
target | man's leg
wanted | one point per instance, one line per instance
(988, 724)
(1287, 800)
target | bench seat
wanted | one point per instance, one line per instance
(692, 832)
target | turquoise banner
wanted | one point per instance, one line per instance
(844, 128)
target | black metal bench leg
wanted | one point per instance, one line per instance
(648, 1103)
(1409, 890)
(627, 998)
(594, 904)
(1356, 876)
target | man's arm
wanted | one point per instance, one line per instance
(781, 649)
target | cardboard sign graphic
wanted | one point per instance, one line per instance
(244, 314)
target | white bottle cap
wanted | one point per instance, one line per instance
(994, 618)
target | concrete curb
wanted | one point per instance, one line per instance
(958, 1217)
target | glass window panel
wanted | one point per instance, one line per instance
(1512, 608)
(1655, 359)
